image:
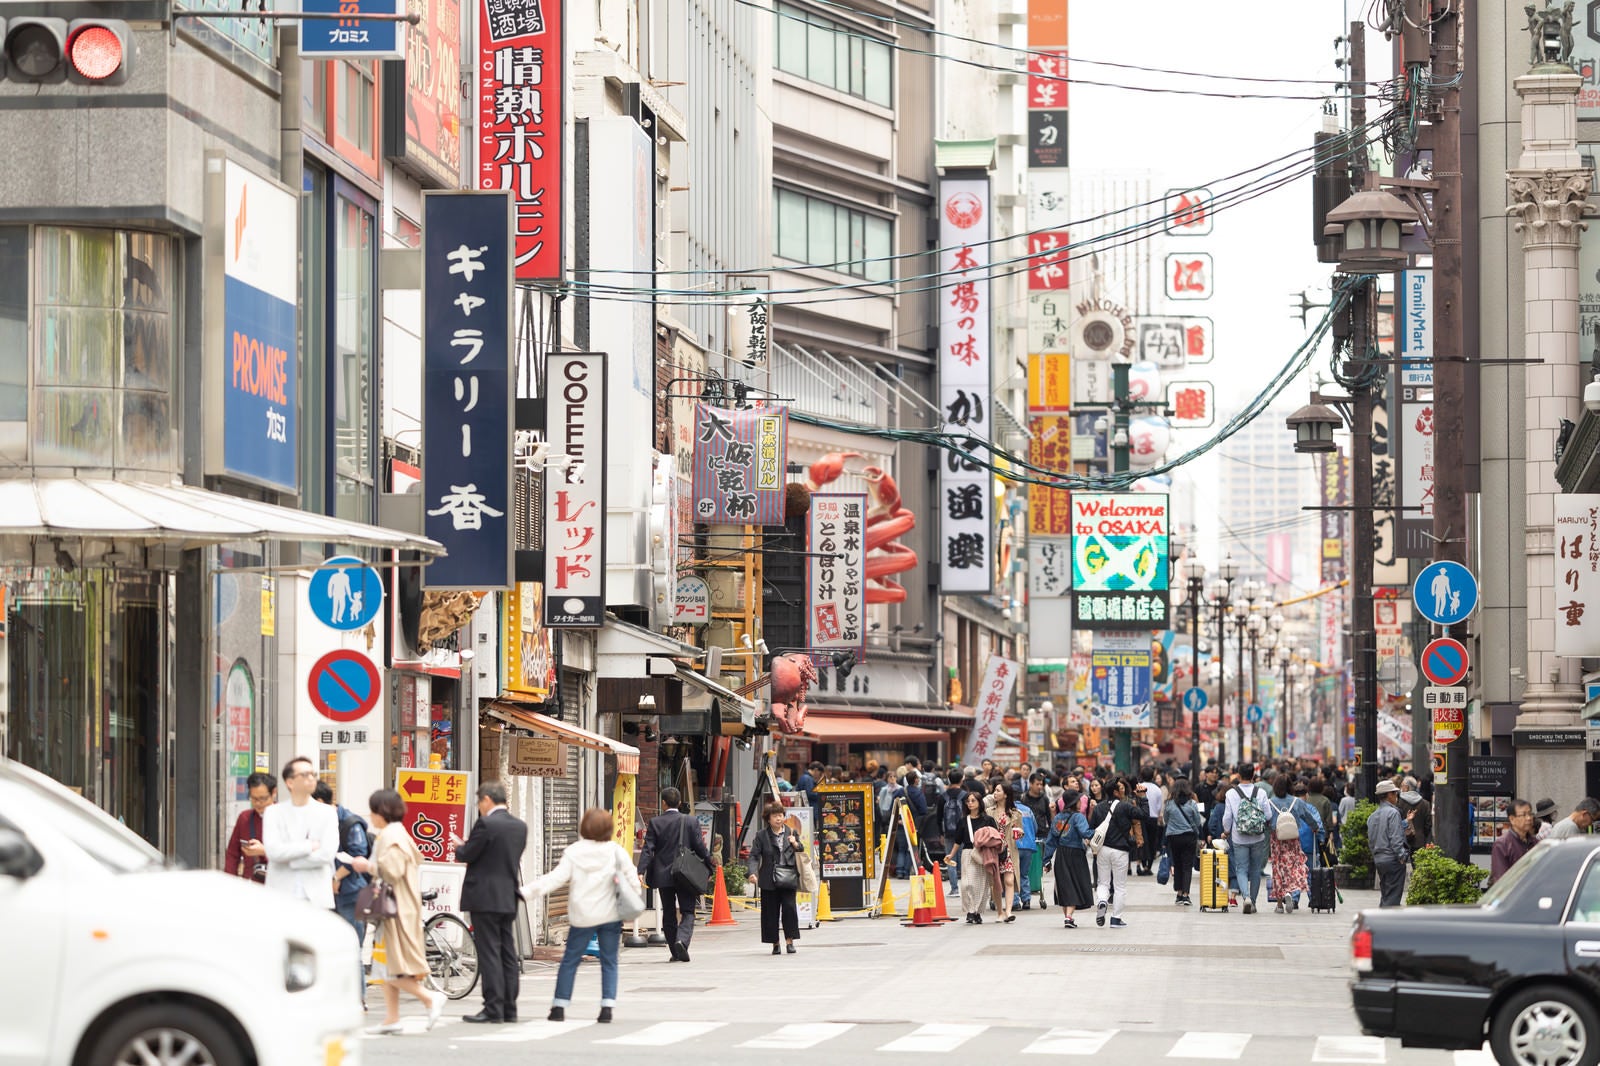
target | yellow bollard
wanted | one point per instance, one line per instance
(887, 905)
(824, 906)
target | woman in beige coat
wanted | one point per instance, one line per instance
(396, 862)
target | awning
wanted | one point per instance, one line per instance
(938, 718)
(182, 516)
(627, 755)
(625, 650)
(843, 729)
(717, 690)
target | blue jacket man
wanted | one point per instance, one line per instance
(353, 841)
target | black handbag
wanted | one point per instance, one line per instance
(786, 878)
(690, 873)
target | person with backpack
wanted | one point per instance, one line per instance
(354, 841)
(1066, 850)
(1183, 832)
(949, 811)
(1246, 819)
(1289, 815)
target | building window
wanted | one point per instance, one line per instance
(341, 110)
(353, 388)
(103, 339)
(314, 338)
(823, 233)
(833, 54)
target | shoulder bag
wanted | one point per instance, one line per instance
(809, 882)
(785, 878)
(376, 903)
(630, 903)
(690, 873)
(1098, 840)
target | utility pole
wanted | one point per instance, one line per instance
(1121, 739)
(1449, 377)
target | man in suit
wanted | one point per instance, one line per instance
(493, 854)
(668, 832)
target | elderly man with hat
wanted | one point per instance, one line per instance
(1386, 838)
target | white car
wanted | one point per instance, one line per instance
(114, 957)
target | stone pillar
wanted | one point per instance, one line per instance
(1548, 194)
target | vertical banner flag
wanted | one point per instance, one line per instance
(575, 493)
(990, 704)
(1577, 574)
(521, 86)
(835, 572)
(966, 494)
(1119, 560)
(467, 390)
(740, 459)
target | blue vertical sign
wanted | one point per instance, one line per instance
(353, 37)
(467, 393)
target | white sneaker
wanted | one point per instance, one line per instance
(435, 1009)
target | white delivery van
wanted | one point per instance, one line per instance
(111, 956)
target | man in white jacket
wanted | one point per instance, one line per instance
(301, 838)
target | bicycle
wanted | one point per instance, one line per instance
(451, 951)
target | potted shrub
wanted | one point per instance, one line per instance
(1355, 858)
(733, 879)
(1437, 878)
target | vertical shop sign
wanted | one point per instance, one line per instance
(521, 107)
(835, 585)
(422, 97)
(740, 458)
(1049, 509)
(467, 390)
(990, 704)
(965, 485)
(436, 810)
(575, 494)
(1415, 314)
(1577, 595)
(529, 662)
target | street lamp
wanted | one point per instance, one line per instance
(1255, 625)
(1196, 573)
(1241, 615)
(1285, 656)
(1371, 225)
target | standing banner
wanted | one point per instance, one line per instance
(990, 704)
(740, 459)
(575, 493)
(467, 390)
(1577, 536)
(624, 810)
(835, 601)
(966, 496)
(521, 85)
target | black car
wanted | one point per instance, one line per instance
(1521, 968)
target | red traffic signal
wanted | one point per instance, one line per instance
(51, 50)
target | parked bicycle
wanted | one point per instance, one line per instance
(451, 952)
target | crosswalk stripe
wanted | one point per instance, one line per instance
(799, 1037)
(664, 1033)
(1481, 1057)
(1071, 1042)
(934, 1037)
(1367, 1049)
(1209, 1046)
(526, 1031)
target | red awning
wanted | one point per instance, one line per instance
(846, 729)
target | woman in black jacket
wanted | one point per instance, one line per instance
(975, 879)
(777, 874)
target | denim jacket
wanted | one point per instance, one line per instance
(1069, 829)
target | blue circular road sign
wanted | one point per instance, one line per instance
(343, 685)
(1195, 699)
(346, 593)
(1253, 713)
(1445, 593)
(1444, 661)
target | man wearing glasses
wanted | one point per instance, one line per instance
(1515, 842)
(301, 839)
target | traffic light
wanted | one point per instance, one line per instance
(52, 50)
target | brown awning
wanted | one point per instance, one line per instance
(627, 755)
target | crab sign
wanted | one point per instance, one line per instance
(888, 519)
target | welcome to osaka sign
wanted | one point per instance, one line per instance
(1120, 545)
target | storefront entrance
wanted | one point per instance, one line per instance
(90, 684)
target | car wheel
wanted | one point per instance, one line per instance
(1546, 1025)
(166, 1034)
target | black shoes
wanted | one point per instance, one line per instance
(789, 949)
(775, 950)
(605, 1016)
(557, 1014)
(481, 1018)
(680, 952)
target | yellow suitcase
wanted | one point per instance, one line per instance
(1213, 880)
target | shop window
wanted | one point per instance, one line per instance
(14, 342)
(352, 390)
(313, 336)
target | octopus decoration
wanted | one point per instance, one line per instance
(793, 675)
(888, 519)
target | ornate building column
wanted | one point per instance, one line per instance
(1548, 194)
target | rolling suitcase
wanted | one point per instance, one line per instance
(1322, 892)
(1213, 880)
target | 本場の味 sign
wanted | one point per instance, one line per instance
(521, 61)
(740, 458)
(835, 600)
(467, 391)
(966, 530)
(990, 704)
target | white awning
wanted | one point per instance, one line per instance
(181, 516)
(523, 718)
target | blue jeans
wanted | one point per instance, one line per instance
(345, 907)
(610, 936)
(1248, 861)
(952, 874)
(1024, 864)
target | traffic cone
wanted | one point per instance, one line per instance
(940, 913)
(887, 904)
(721, 913)
(824, 905)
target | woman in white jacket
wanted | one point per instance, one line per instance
(589, 868)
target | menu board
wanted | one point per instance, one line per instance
(845, 836)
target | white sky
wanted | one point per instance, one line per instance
(1262, 250)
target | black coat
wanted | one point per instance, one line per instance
(666, 833)
(493, 854)
(767, 853)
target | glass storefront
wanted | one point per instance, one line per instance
(90, 686)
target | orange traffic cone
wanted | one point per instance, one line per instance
(940, 913)
(721, 913)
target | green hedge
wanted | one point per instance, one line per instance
(733, 876)
(1354, 852)
(1437, 878)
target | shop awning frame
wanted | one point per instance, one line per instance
(851, 729)
(174, 515)
(522, 718)
(747, 707)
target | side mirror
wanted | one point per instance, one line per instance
(18, 858)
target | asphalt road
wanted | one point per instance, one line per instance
(1177, 983)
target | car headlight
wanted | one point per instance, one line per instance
(299, 968)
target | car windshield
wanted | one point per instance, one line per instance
(37, 810)
(1515, 876)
